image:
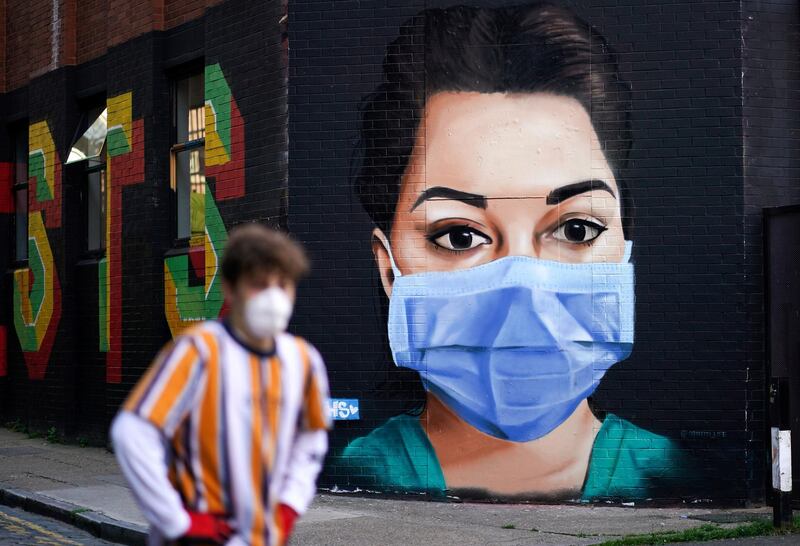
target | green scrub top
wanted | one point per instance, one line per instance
(626, 460)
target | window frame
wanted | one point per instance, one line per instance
(196, 70)
(90, 109)
(20, 131)
(89, 169)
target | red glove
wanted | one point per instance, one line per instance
(206, 528)
(287, 516)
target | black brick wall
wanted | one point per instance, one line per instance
(336, 51)
(771, 121)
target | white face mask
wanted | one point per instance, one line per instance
(268, 312)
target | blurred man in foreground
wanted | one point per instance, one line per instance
(224, 436)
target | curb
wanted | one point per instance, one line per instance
(93, 522)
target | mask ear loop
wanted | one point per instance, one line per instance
(625, 258)
(388, 247)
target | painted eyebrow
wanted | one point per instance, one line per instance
(571, 190)
(441, 192)
(476, 200)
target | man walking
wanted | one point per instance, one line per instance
(224, 436)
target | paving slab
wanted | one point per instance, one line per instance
(112, 500)
(388, 521)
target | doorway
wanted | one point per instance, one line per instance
(782, 301)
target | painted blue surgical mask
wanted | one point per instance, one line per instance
(514, 345)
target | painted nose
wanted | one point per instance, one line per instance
(522, 243)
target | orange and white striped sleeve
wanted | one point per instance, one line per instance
(310, 442)
(164, 395)
(314, 412)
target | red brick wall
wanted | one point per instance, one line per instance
(127, 19)
(177, 12)
(86, 30)
(92, 29)
(28, 45)
(2, 47)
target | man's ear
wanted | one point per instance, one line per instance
(227, 291)
(380, 249)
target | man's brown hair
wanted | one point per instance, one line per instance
(253, 248)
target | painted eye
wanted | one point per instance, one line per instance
(460, 238)
(578, 231)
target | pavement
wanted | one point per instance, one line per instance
(84, 487)
(21, 528)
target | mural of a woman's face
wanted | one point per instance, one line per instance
(499, 242)
(494, 175)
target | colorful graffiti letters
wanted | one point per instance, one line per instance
(37, 299)
(124, 166)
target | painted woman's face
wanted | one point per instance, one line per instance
(495, 175)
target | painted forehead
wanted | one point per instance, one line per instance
(499, 145)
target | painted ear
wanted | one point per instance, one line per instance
(380, 249)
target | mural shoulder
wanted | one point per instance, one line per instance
(629, 462)
(382, 441)
(395, 456)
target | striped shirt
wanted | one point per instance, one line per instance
(245, 429)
